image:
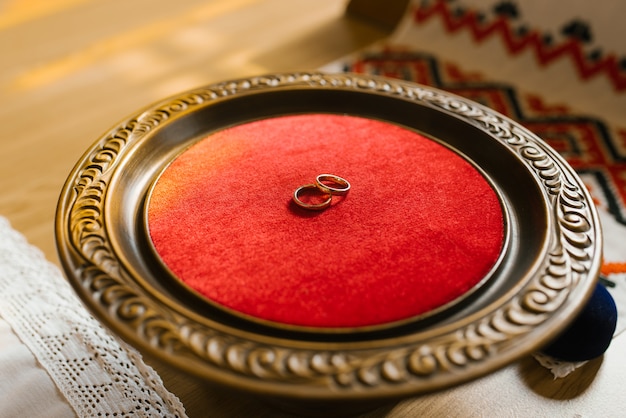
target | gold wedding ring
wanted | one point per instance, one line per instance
(327, 184)
(311, 206)
(322, 183)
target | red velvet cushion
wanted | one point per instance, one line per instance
(419, 228)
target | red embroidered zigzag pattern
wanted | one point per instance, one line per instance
(544, 53)
(587, 143)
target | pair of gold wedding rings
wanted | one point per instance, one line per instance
(328, 184)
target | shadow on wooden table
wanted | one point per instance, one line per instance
(327, 43)
(570, 387)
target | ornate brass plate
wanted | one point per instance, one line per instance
(547, 271)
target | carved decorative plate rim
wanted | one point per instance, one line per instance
(495, 336)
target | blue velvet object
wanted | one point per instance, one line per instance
(590, 334)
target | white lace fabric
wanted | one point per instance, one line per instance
(558, 368)
(97, 374)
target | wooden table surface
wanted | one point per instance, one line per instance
(71, 69)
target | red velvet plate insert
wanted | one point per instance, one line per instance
(419, 228)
